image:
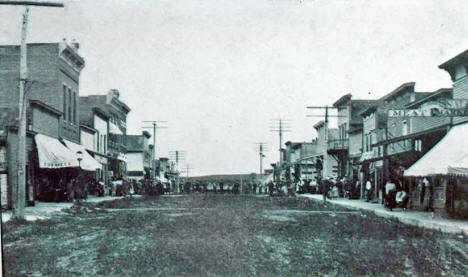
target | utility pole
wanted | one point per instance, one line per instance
(280, 126)
(261, 147)
(326, 133)
(177, 156)
(187, 169)
(19, 191)
(154, 127)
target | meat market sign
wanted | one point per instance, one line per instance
(446, 108)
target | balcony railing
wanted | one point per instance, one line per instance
(338, 144)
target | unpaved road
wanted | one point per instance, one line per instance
(226, 235)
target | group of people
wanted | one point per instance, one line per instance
(396, 193)
(68, 187)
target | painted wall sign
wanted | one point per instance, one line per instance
(446, 108)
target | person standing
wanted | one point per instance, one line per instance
(430, 188)
(357, 189)
(390, 191)
(324, 188)
(423, 184)
(270, 188)
(368, 190)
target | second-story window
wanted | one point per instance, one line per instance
(404, 131)
(366, 141)
(74, 108)
(105, 143)
(98, 146)
(65, 98)
(69, 116)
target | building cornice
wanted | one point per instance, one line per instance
(398, 90)
(450, 65)
(343, 100)
(45, 107)
(71, 57)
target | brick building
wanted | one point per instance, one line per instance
(51, 109)
(115, 141)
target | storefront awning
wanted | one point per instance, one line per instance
(448, 156)
(53, 154)
(113, 129)
(88, 163)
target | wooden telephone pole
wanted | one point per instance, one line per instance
(261, 148)
(154, 127)
(19, 191)
(177, 156)
(281, 126)
(326, 133)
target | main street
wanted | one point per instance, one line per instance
(226, 235)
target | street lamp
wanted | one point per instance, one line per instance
(79, 157)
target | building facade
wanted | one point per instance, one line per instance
(95, 136)
(139, 156)
(115, 140)
(51, 106)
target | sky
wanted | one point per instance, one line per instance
(220, 72)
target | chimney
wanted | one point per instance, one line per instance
(75, 45)
(114, 92)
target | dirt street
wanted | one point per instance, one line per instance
(226, 235)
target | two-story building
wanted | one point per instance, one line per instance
(347, 147)
(139, 156)
(116, 136)
(299, 160)
(446, 164)
(392, 140)
(326, 164)
(51, 109)
(95, 136)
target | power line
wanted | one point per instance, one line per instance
(187, 170)
(280, 126)
(326, 115)
(177, 156)
(154, 127)
(33, 3)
